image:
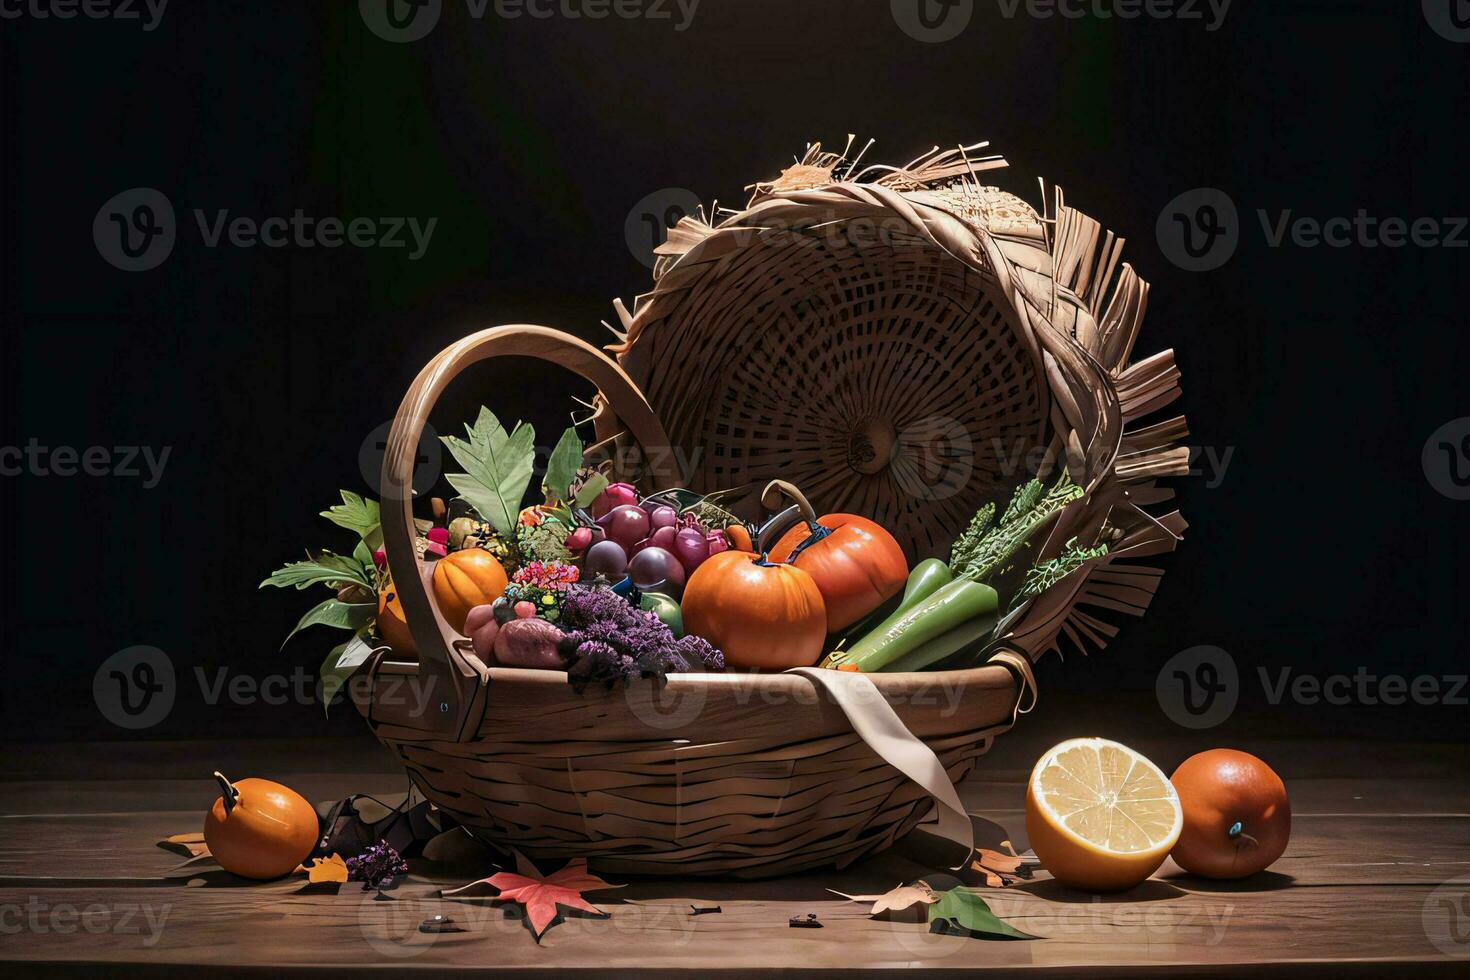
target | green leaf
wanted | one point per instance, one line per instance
(561, 468)
(337, 614)
(962, 912)
(334, 675)
(497, 469)
(356, 514)
(591, 490)
(324, 569)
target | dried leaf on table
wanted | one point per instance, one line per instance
(188, 845)
(997, 869)
(962, 912)
(323, 870)
(896, 899)
(541, 897)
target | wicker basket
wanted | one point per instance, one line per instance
(906, 347)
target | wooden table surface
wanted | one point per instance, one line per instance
(1377, 875)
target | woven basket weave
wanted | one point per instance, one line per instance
(907, 347)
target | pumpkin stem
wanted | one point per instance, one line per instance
(228, 792)
(771, 498)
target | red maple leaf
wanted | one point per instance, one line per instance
(541, 896)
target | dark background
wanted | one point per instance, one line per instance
(1324, 370)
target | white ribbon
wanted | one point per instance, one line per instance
(877, 724)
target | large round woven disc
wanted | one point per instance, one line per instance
(875, 372)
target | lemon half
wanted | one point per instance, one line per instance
(1100, 816)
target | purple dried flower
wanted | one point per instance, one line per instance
(698, 650)
(376, 866)
(609, 640)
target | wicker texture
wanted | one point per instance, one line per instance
(901, 342)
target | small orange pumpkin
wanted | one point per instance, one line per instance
(391, 623)
(856, 564)
(259, 829)
(466, 579)
(763, 615)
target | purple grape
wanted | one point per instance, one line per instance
(690, 548)
(662, 515)
(627, 524)
(652, 566)
(605, 558)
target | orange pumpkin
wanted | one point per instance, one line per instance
(464, 580)
(763, 615)
(856, 564)
(391, 623)
(259, 829)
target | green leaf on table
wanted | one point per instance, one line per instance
(590, 490)
(497, 469)
(356, 513)
(561, 468)
(342, 662)
(337, 614)
(323, 569)
(962, 912)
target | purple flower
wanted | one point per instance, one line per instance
(377, 866)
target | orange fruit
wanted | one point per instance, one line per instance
(466, 579)
(1237, 818)
(1100, 816)
(259, 829)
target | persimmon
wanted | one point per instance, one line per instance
(466, 579)
(259, 829)
(762, 614)
(856, 564)
(1237, 817)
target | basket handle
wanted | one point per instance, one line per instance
(454, 674)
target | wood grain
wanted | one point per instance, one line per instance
(1359, 892)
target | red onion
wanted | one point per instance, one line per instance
(691, 548)
(662, 515)
(626, 524)
(580, 539)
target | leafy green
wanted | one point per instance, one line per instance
(962, 912)
(358, 514)
(497, 469)
(590, 490)
(334, 674)
(323, 569)
(337, 614)
(1027, 496)
(970, 538)
(1025, 519)
(561, 468)
(1048, 573)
